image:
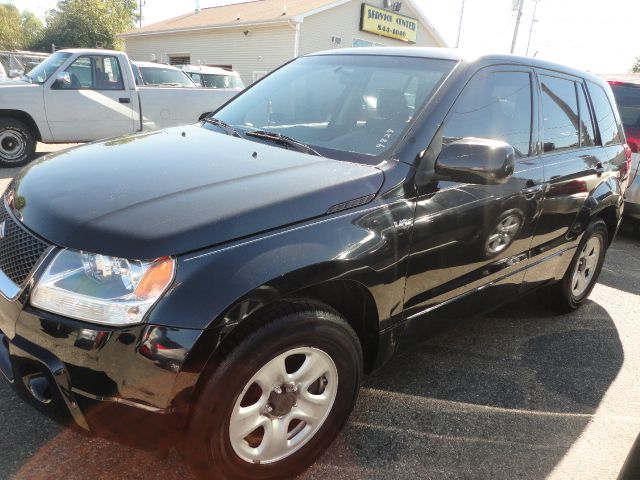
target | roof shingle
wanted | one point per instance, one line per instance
(238, 13)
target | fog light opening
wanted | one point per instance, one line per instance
(39, 387)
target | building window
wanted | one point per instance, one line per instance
(179, 59)
(258, 75)
(358, 42)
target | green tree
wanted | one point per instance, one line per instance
(89, 23)
(10, 28)
(636, 66)
(32, 30)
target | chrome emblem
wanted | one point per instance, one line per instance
(2, 225)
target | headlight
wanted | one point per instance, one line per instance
(102, 289)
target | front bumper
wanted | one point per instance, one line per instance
(131, 385)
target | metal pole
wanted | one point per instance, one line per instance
(533, 19)
(140, 19)
(460, 24)
(515, 32)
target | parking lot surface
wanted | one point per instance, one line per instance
(519, 393)
(6, 174)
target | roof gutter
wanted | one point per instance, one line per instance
(227, 26)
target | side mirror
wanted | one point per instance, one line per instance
(63, 79)
(476, 160)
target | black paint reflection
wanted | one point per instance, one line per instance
(468, 235)
(160, 346)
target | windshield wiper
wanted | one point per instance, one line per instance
(26, 75)
(223, 125)
(283, 140)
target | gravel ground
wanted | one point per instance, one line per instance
(519, 393)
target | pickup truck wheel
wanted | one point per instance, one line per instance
(279, 398)
(582, 274)
(17, 143)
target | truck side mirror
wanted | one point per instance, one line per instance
(63, 79)
(476, 160)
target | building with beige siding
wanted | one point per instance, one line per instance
(257, 36)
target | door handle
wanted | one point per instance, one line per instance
(124, 100)
(532, 189)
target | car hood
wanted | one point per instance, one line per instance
(178, 190)
(14, 83)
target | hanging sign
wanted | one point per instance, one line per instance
(388, 24)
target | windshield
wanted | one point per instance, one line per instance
(220, 81)
(359, 104)
(165, 77)
(41, 72)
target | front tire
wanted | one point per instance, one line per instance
(17, 143)
(582, 274)
(278, 399)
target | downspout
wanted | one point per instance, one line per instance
(295, 24)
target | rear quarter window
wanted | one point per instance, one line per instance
(610, 130)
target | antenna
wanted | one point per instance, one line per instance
(460, 24)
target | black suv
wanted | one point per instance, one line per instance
(223, 286)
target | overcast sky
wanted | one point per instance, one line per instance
(596, 35)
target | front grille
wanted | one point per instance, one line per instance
(19, 249)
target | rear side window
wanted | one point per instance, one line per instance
(496, 106)
(560, 113)
(628, 100)
(610, 133)
(587, 132)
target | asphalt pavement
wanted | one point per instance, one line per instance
(6, 174)
(519, 393)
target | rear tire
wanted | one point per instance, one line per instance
(17, 143)
(582, 274)
(298, 358)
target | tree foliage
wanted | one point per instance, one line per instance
(89, 23)
(10, 28)
(73, 23)
(32, 30)
(19, 31)
(636, 66)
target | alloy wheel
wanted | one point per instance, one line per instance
(586, 266)
(283, 405)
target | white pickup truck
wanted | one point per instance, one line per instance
(84, 95)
